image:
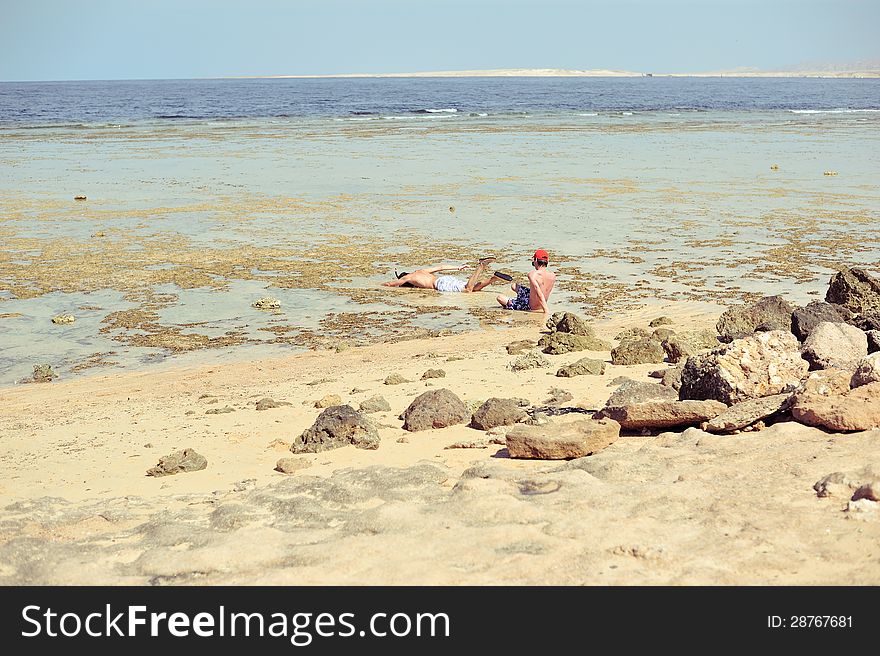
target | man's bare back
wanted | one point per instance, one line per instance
(541, 282)
(534, 297)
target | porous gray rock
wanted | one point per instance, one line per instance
(738, 416)
(267, 403)
(683, 345)
(520, 346)
(661, 334)
(435, 409)
(396, 379)
(291, 465)
(835, 346)
(805, 319)
(433, 373)
(583, 367)
(568, 322)
(660, 321)
(867, 371)
(632, 392)
(374, 404)
(497, 412)
(43, 373)
(672, 377)
(768, 313)
(336, 427)
(638, 351)
(873, 340)
(764, 364)
(179, 462)
(631, 334)
(529, 361)
(559, 343)
(561, 441)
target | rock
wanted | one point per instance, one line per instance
(179, 462)
(753, 367)
(522, 403)
(828, 382)
(521, 346)
(638, 351)
(873, 340)
(79, 197)
(529, 361)
(561, 441)
(433, 373)
(63, 319)
(375, 404)
(560, 343)
(43, 373)
(856, 410)
(805, 319)
(660, 321)
(769, 313)
(435, 409)
(396, 379)
(291, 465)
(220, 411)
(738, 416)
(672, 377)
(583, 367)
(497, 412)
(337, 426)
(632, 334)
(469, 444)
(403, 440)
(538, 419)
(329, 401)
(862, 509)
(691, 342)
(657, 373)
(836, 484)
(865, 322)
(278, 445)
(266, 403)
(267, 303)
(619, 380)
(557, 396)
(867, 371)
(661, 334)
(856, 290)
(632, 392)
(663, 414)
(568, 322)
(835, 346)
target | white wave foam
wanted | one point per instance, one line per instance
(831, 111)
(447, 110)
(589, 114)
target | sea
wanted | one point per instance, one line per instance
(204, 195)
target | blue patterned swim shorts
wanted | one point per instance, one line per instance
(521, 302)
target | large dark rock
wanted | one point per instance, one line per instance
(856, 290)
(638, 351)
(435, 409)
(749, 368)
(805, 319)
(337, 426)
(497, 412)
(769, 313)
(873, 340)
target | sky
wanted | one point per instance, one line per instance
(138, 39)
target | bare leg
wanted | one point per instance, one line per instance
(502, 300)
(472, 283)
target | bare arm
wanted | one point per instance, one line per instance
(538, 292)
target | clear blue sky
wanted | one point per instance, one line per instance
(124, 39)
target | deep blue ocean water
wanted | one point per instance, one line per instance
(95, 102)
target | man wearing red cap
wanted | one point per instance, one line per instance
(541, 281)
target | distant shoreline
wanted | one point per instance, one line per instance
(556, 72)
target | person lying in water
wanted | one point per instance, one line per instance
(534, 297)
(427, 278)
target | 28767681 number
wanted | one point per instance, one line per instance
(810, 622)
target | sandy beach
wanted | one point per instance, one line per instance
(681, 507)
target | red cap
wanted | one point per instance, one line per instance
(541, 254)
